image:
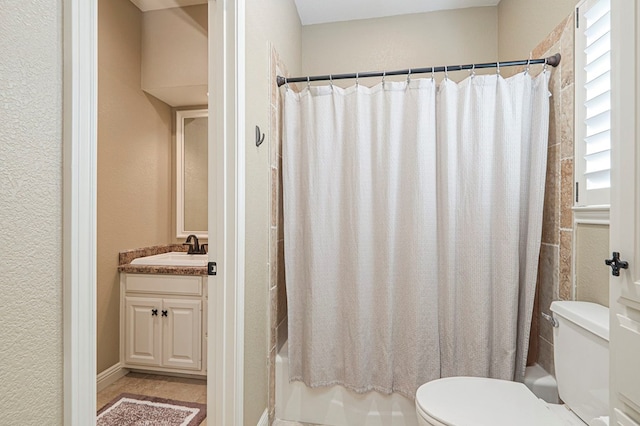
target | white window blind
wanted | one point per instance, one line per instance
(593, 102)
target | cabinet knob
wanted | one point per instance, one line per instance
(154, 312)
(165, 313)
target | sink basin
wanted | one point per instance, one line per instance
(173, 258)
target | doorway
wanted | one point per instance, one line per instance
(80, 251)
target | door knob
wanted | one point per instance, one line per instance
(616, 264)
(154, 312)
(165, 313)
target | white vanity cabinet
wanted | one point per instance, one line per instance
(163, 322)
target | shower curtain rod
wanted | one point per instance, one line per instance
(551, 60)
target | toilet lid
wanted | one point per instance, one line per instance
(475, 401)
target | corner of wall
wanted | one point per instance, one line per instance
(277, 290)
(555, 273)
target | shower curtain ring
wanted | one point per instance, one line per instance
(433, 73)
(409, 77)
(308, 83)
(546, 64)
(357, 82)
(498, 68)
(331, 81)
(286, 83)
(384, 74)
(526, 69)
(446, 73)
(472, 73)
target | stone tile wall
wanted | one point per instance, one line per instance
(555, 269)
(277, 291)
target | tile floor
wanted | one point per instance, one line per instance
(190, 390)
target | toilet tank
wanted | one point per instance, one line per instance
(581, 354)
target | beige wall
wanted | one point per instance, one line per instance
(31, 212)
(134, 163)
(523, 23)
(272, 22)
(592, 276)
(174, 54)
(399, 42)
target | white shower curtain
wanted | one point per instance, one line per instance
(412, 222)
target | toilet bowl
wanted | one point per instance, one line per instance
(582, 382)
(465, 401)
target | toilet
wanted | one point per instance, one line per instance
(581, 351)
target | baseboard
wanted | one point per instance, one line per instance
(110, 375)
(264, 419)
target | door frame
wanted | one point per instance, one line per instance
(80, 74)
(226, 210)
(80, 88)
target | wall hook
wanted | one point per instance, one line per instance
(259, 138)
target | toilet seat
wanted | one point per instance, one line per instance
(475, 401)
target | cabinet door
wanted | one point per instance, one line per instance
(182, 334)
(142, 330)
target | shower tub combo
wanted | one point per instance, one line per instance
(338, 406)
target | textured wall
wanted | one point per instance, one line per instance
(523, 23)
(398, 42)
(31, 212)
(135, 157)
(272, 22)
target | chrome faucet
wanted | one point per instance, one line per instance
(194, 245)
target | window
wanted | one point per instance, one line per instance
(593, 102)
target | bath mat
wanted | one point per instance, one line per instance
(139, 410)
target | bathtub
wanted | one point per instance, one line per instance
(337, 406)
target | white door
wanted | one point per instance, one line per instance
(182, 333)
(142, 330)
(625, 215)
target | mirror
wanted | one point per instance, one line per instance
(191, 172)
